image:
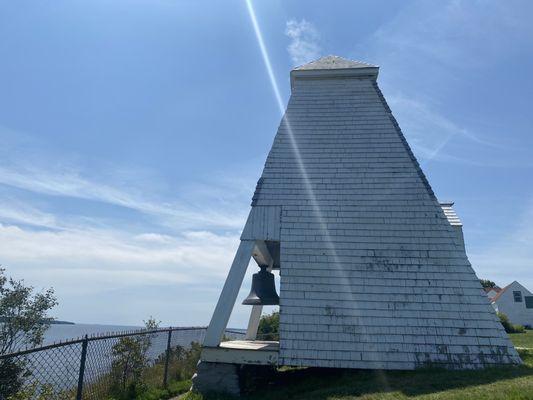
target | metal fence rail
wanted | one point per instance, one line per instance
(88, 368)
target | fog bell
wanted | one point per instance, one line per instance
(263, 292)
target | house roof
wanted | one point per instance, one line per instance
(502, 291)
(450, 213)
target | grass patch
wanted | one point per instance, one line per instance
(515, 383)
(174, 389)
(523, 339)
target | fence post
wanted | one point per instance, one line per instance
(82, 367)
(167, 358)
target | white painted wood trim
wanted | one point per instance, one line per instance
(226, 301)
(253, 322)
(239, 352)
(370, 71)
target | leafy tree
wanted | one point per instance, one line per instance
(23, 322)
(130, 359)
(269, 327)
(23, 313)
(487, 284)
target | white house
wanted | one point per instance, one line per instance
(516, 302)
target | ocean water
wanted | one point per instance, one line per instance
(60, 333)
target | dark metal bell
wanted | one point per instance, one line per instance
(263, 292)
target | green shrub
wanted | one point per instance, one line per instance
(174, 389)
(40, 392)
(269, 327)
(508, 326)
(134, 378)
(183, 362)
(11, 377)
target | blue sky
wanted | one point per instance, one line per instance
(132, 134)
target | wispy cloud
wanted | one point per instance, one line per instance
(188, 257)
(429, 132)
(305, 41)
(26, 164)
(457, 34)
(15, 211)
(71, 183)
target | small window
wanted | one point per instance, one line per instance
(517, 296)
(529, 301)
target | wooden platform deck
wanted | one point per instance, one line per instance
(256, 352)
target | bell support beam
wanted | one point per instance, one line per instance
(226, 301)
(261, 254)
(253, 322)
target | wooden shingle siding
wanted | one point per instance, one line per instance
(373, 275)
(264, 223)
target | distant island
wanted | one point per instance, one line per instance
(51, 322)
(59, 322)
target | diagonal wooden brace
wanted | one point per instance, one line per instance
(226, 301)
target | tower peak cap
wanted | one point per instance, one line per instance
(334, 67)
(333, 62)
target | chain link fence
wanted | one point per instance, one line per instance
(92, 368)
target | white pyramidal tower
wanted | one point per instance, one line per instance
(372, 272)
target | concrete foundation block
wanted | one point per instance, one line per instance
(216, 377)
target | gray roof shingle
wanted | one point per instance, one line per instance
(333, 67)
(334, 62)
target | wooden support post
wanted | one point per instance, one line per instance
(253, 323)
(227, 298)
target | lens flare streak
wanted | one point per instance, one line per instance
(295, 148)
